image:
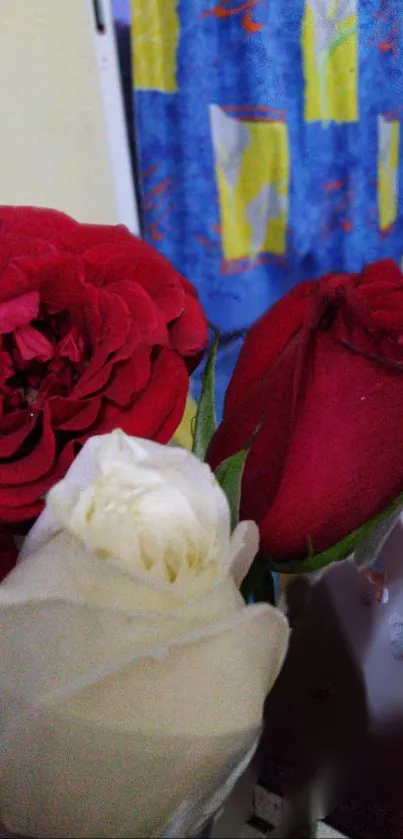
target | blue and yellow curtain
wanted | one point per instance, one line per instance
(269, 143)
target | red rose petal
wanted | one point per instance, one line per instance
(345, 461)
(99, 369)
(93, 373)
(33, 221)
(382, 271)
(266, 341)
(61, 282)
(144, 311)
(21, 245)
(33, 344)
(12, 398)
(91, 235)
(95, 378)
(57, 279)
(189, 333)
(270, 400)
(138, 263)
(193, 361)
(26, 501)
(130, 345)
(13, 514)
(58, 228)
(73, 414)
(6, 366)
(162, 283)
(115, 325)
(157, 413)
(18, 311)
(14, 429)
(4, 255)
(36, 463)
(189, 288)
(13, 278)
(72, 346)
(54, 275)
(129, 378)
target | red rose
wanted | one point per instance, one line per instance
(321, 377)
(97, 331)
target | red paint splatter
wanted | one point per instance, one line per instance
(158, 191)
(158, 208)
(149, 171)
(338, 216)
(332, 186)
(155, 233)
(386, 37)
(250, 26)
(246, 264)
(158, 188)
(383, 46)
(224, 10)
(156, 198)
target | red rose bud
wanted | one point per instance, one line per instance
(321, 377)
(97, 331)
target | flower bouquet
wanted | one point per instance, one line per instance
(134, 658)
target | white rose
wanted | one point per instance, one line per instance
(132, 675)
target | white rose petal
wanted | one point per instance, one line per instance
(133, 675)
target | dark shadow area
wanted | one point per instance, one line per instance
(316, 717)
(333, 739)
(372, 806)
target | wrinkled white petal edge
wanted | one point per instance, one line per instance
(243, 549)
(117, 447)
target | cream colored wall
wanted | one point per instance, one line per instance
(53, 144)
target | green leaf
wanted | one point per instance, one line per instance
(229, 476)
(367, 551)
(205, 421)
(362, 539)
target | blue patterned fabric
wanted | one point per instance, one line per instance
(269, 144)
